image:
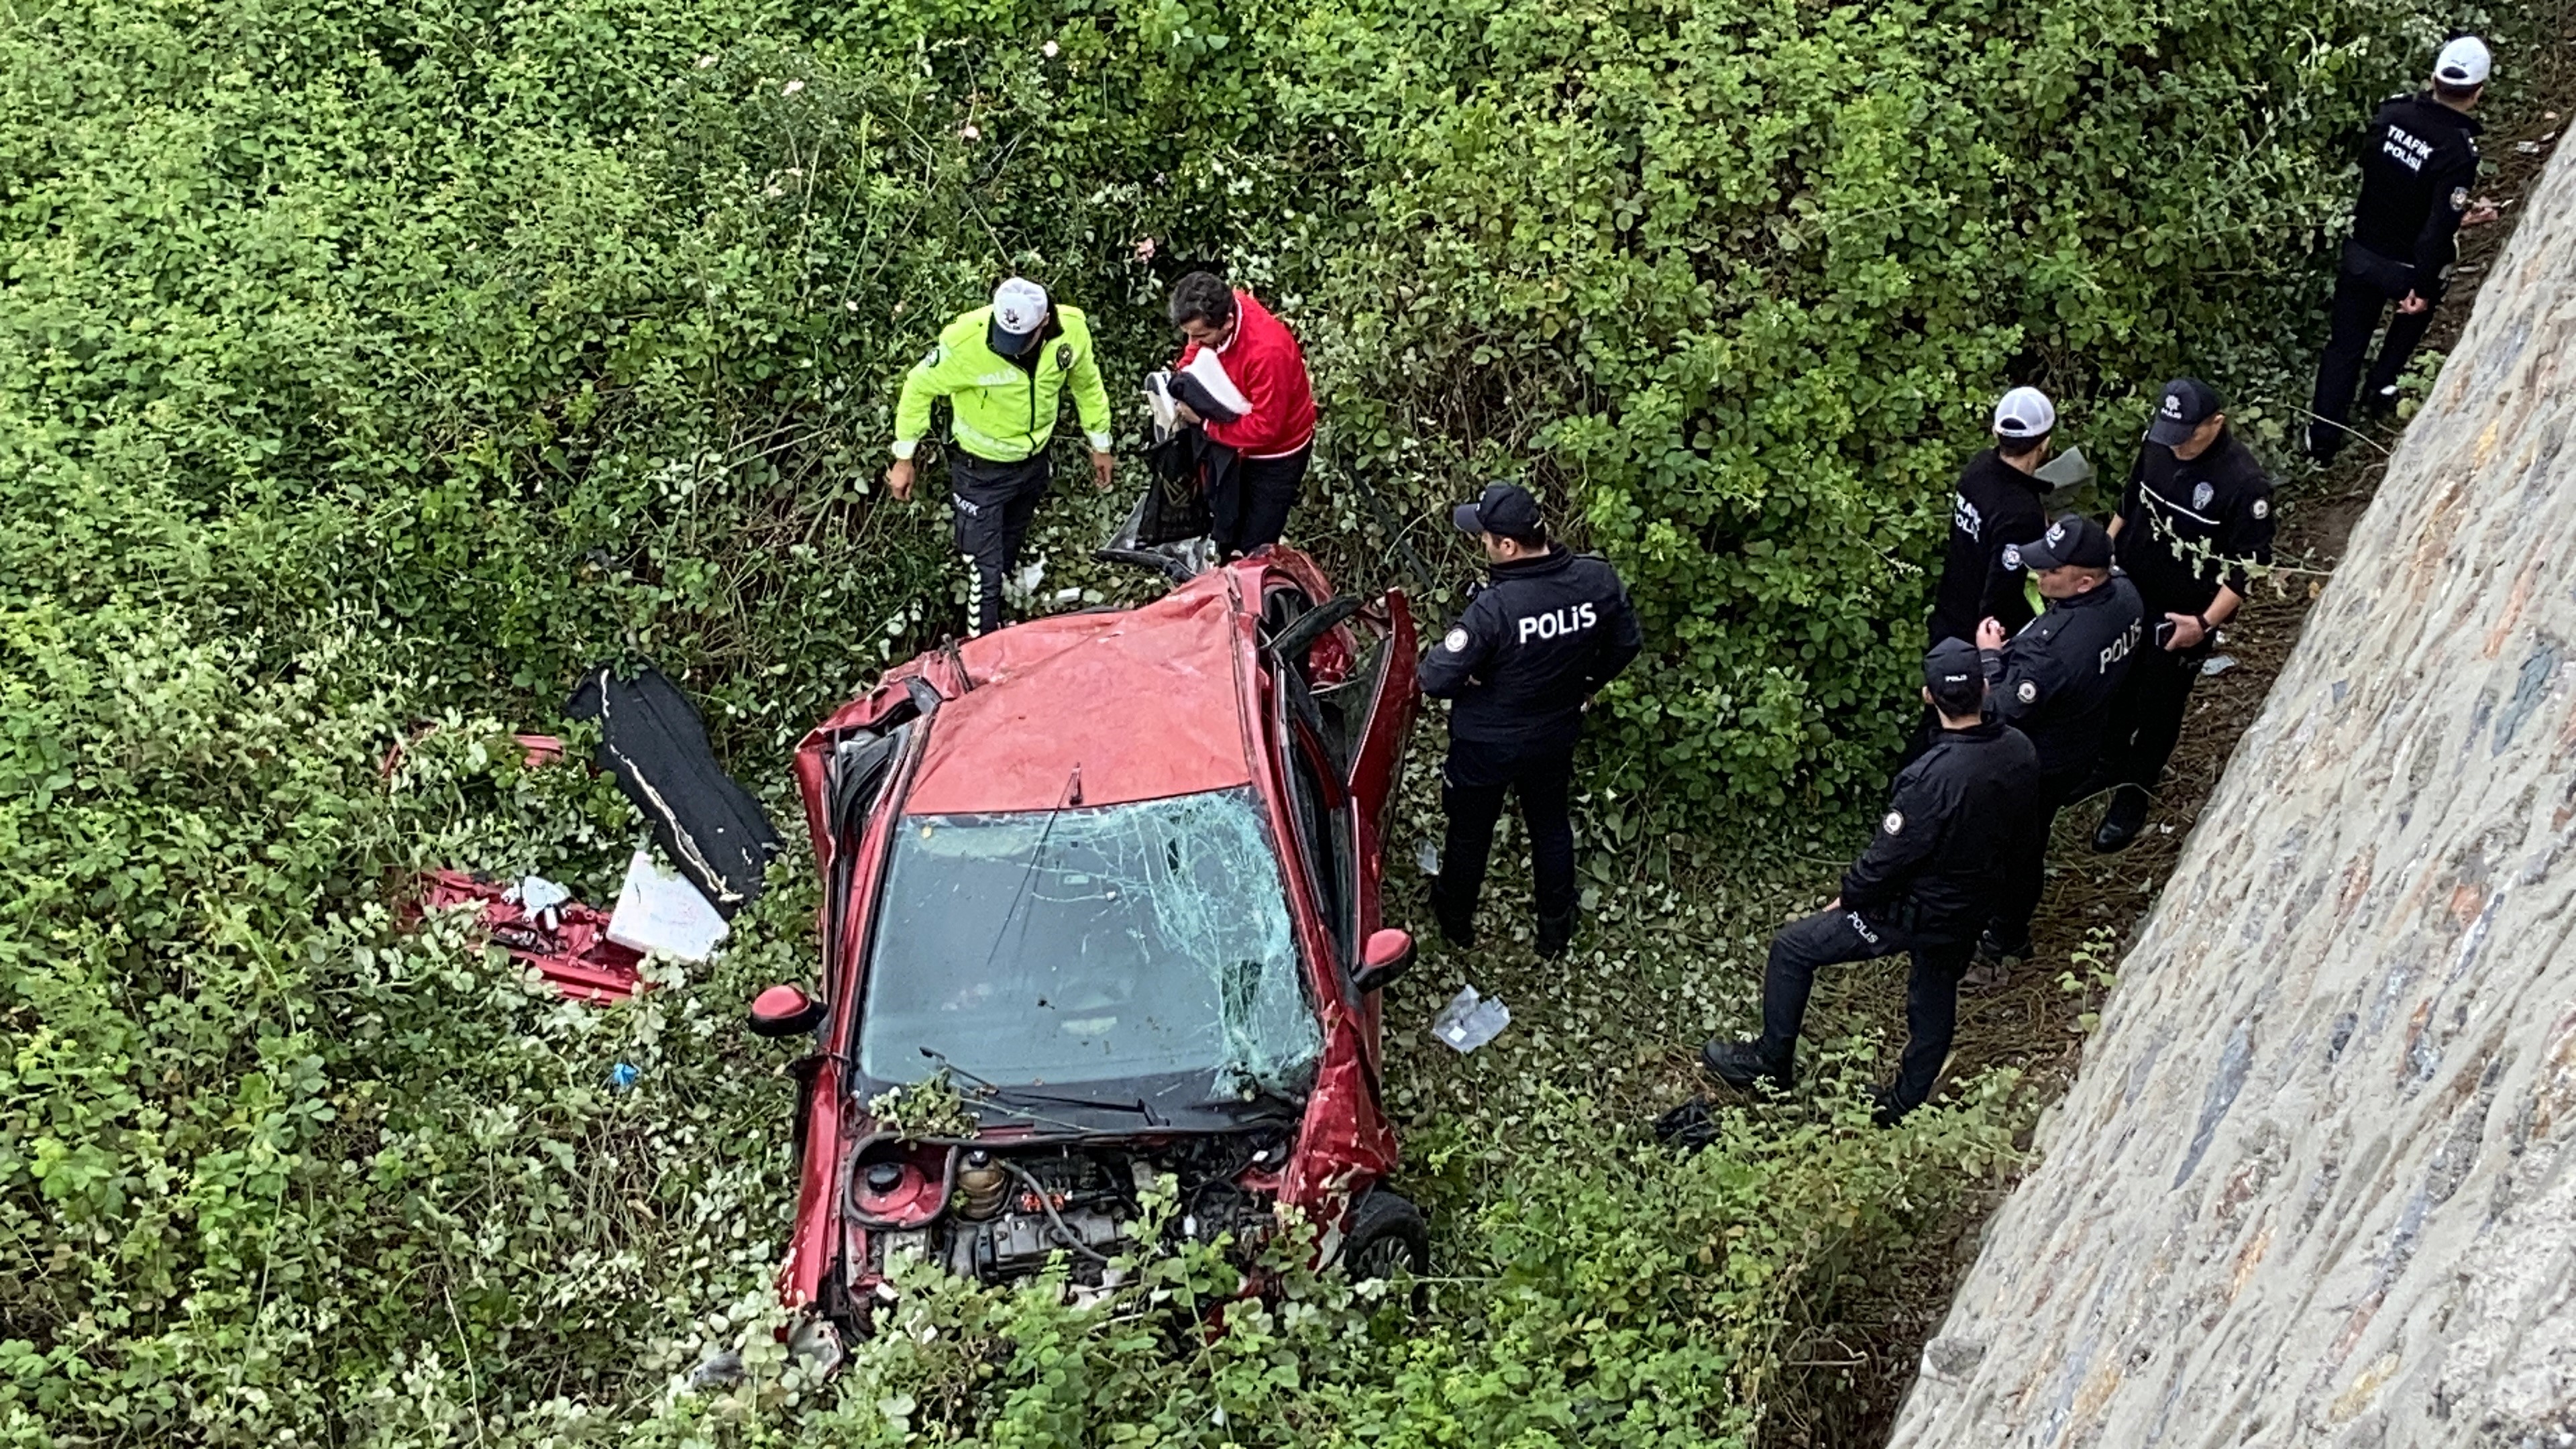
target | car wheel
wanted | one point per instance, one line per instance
(1387, 1238)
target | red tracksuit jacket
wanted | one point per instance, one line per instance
(1269, 367)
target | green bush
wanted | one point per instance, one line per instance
(363, 367)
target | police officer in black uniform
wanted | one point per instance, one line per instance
(1997, 505)
(1533, 647)
(2419, 160)
(2055, 682)
(1927, 884)
(2195, 516)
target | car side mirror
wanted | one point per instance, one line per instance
(1389, 955)
(784, 1011)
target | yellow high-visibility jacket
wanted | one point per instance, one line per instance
(998, 410)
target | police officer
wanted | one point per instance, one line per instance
(1529, 653)
(2195, 516)
(1996, 506)
(1926, 885)
(1002, 369)
(2055, 682)
(2419, 160)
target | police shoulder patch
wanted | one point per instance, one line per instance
(2459, 198)
(1894, 824)
(2262, 508)
(1456, 642)
(2012, 556)
(2029, 691)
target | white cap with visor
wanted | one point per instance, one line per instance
(2463, 62)
(2025, 412)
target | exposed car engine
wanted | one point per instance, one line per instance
(995, 1213)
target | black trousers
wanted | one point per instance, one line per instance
(1836, 937)
(2146, 718)
(2359, 302)
(1251, 507)
(2026, 867)
(993, 503)
(1472, 785)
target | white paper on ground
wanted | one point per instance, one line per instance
(536, 894)
(658, 911)
(1469, 1021)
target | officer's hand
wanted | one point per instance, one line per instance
(2187, 632)
(1835, 904)
(1185, 412)
(1100, 466)
(2481, 214)
(2411, 304)
(1990, 634)
(899, 479)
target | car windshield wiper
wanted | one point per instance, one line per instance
(995, 1090)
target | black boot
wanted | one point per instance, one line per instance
(1457, 923)
(1740, 1064)
(2122, 822)
(1555, 933)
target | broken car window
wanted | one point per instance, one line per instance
(1055, 947)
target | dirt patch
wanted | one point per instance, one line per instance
(2096, 902)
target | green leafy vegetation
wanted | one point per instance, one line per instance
(371, 367)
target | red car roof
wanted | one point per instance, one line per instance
(1145, 702)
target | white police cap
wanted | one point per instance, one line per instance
(2463, 62)
(1019, 309)
(2025, 412)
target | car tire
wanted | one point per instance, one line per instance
(1387, 1236)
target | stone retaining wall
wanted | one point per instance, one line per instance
(2313, 1185)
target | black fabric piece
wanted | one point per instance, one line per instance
(1176, 509)
(1688, 1127)
(1188, 467)
(653, 741)
(1995, 506)
(1937, 861)
(1532, 647)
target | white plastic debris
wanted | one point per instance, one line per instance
(659, 912)
(1469, 1021)
(1427, 856)
(536, 895)
(2218, 664)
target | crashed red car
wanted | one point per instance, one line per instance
(1117, 874)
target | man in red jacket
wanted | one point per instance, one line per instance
(1274, 435)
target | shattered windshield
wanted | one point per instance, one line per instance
(1056, 947)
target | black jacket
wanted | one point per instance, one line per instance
(2419, 161)
(1996, 506)
(1532, 647)
(2054, 680)
(2187, 527)
(1938, 859)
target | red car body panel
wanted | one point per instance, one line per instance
(1167, 699)
(568, 945)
